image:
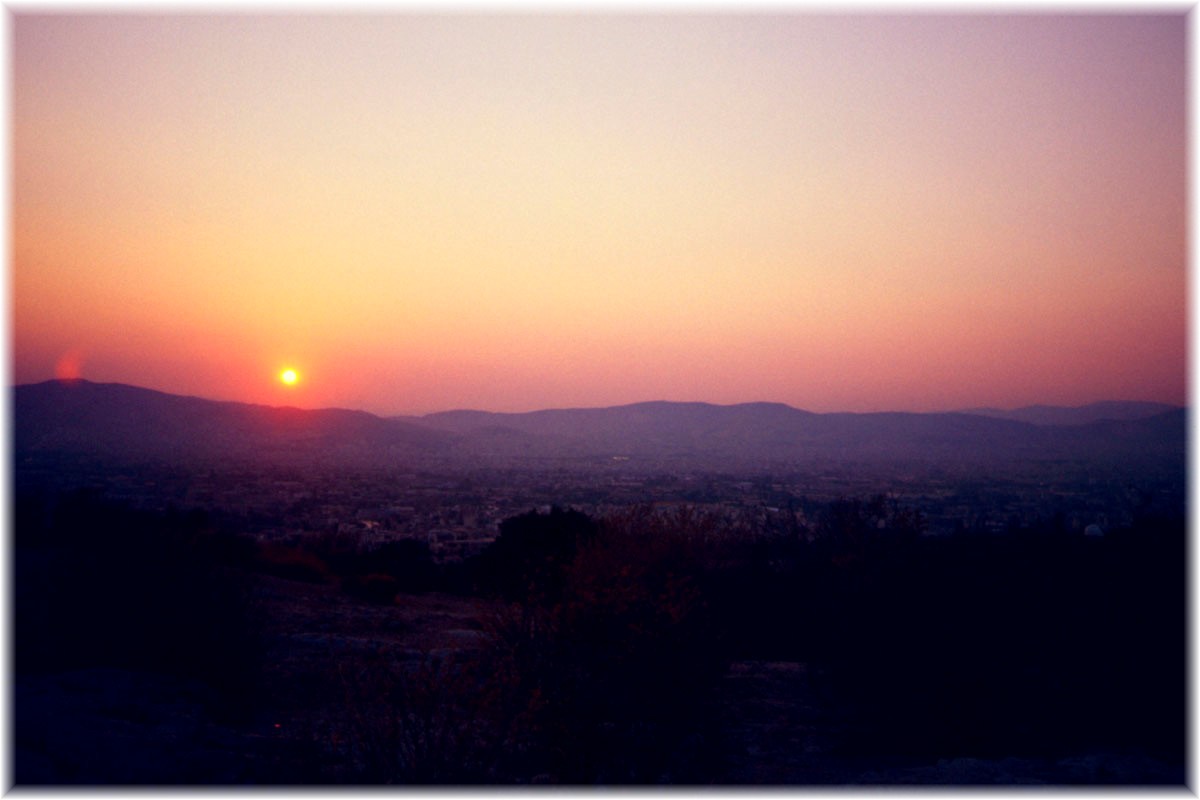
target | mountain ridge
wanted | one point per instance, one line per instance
(119, 419)
(1133, 408)
(1078, 415)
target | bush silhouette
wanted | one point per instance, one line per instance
(528, 560)
(609, 678)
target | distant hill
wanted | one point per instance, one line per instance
(131, 422)
(660, 429)
(774, 432)
(1077, 415)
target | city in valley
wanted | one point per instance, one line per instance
(792, 398)
(658, 593)
(457, 513)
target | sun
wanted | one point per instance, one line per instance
(289, 377)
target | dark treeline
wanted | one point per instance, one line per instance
(606, 639)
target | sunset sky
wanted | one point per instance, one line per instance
(418, 213)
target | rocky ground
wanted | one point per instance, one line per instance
(779, 722)
(785, 729)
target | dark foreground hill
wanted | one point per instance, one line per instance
(127, 421)
(642, 648)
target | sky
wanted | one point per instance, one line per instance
(841, 212)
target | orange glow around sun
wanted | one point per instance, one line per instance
(69, 366)
(289, 377)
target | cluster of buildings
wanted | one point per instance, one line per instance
(458, 514)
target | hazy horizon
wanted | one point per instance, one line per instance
(762, 401)
(422, 212)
